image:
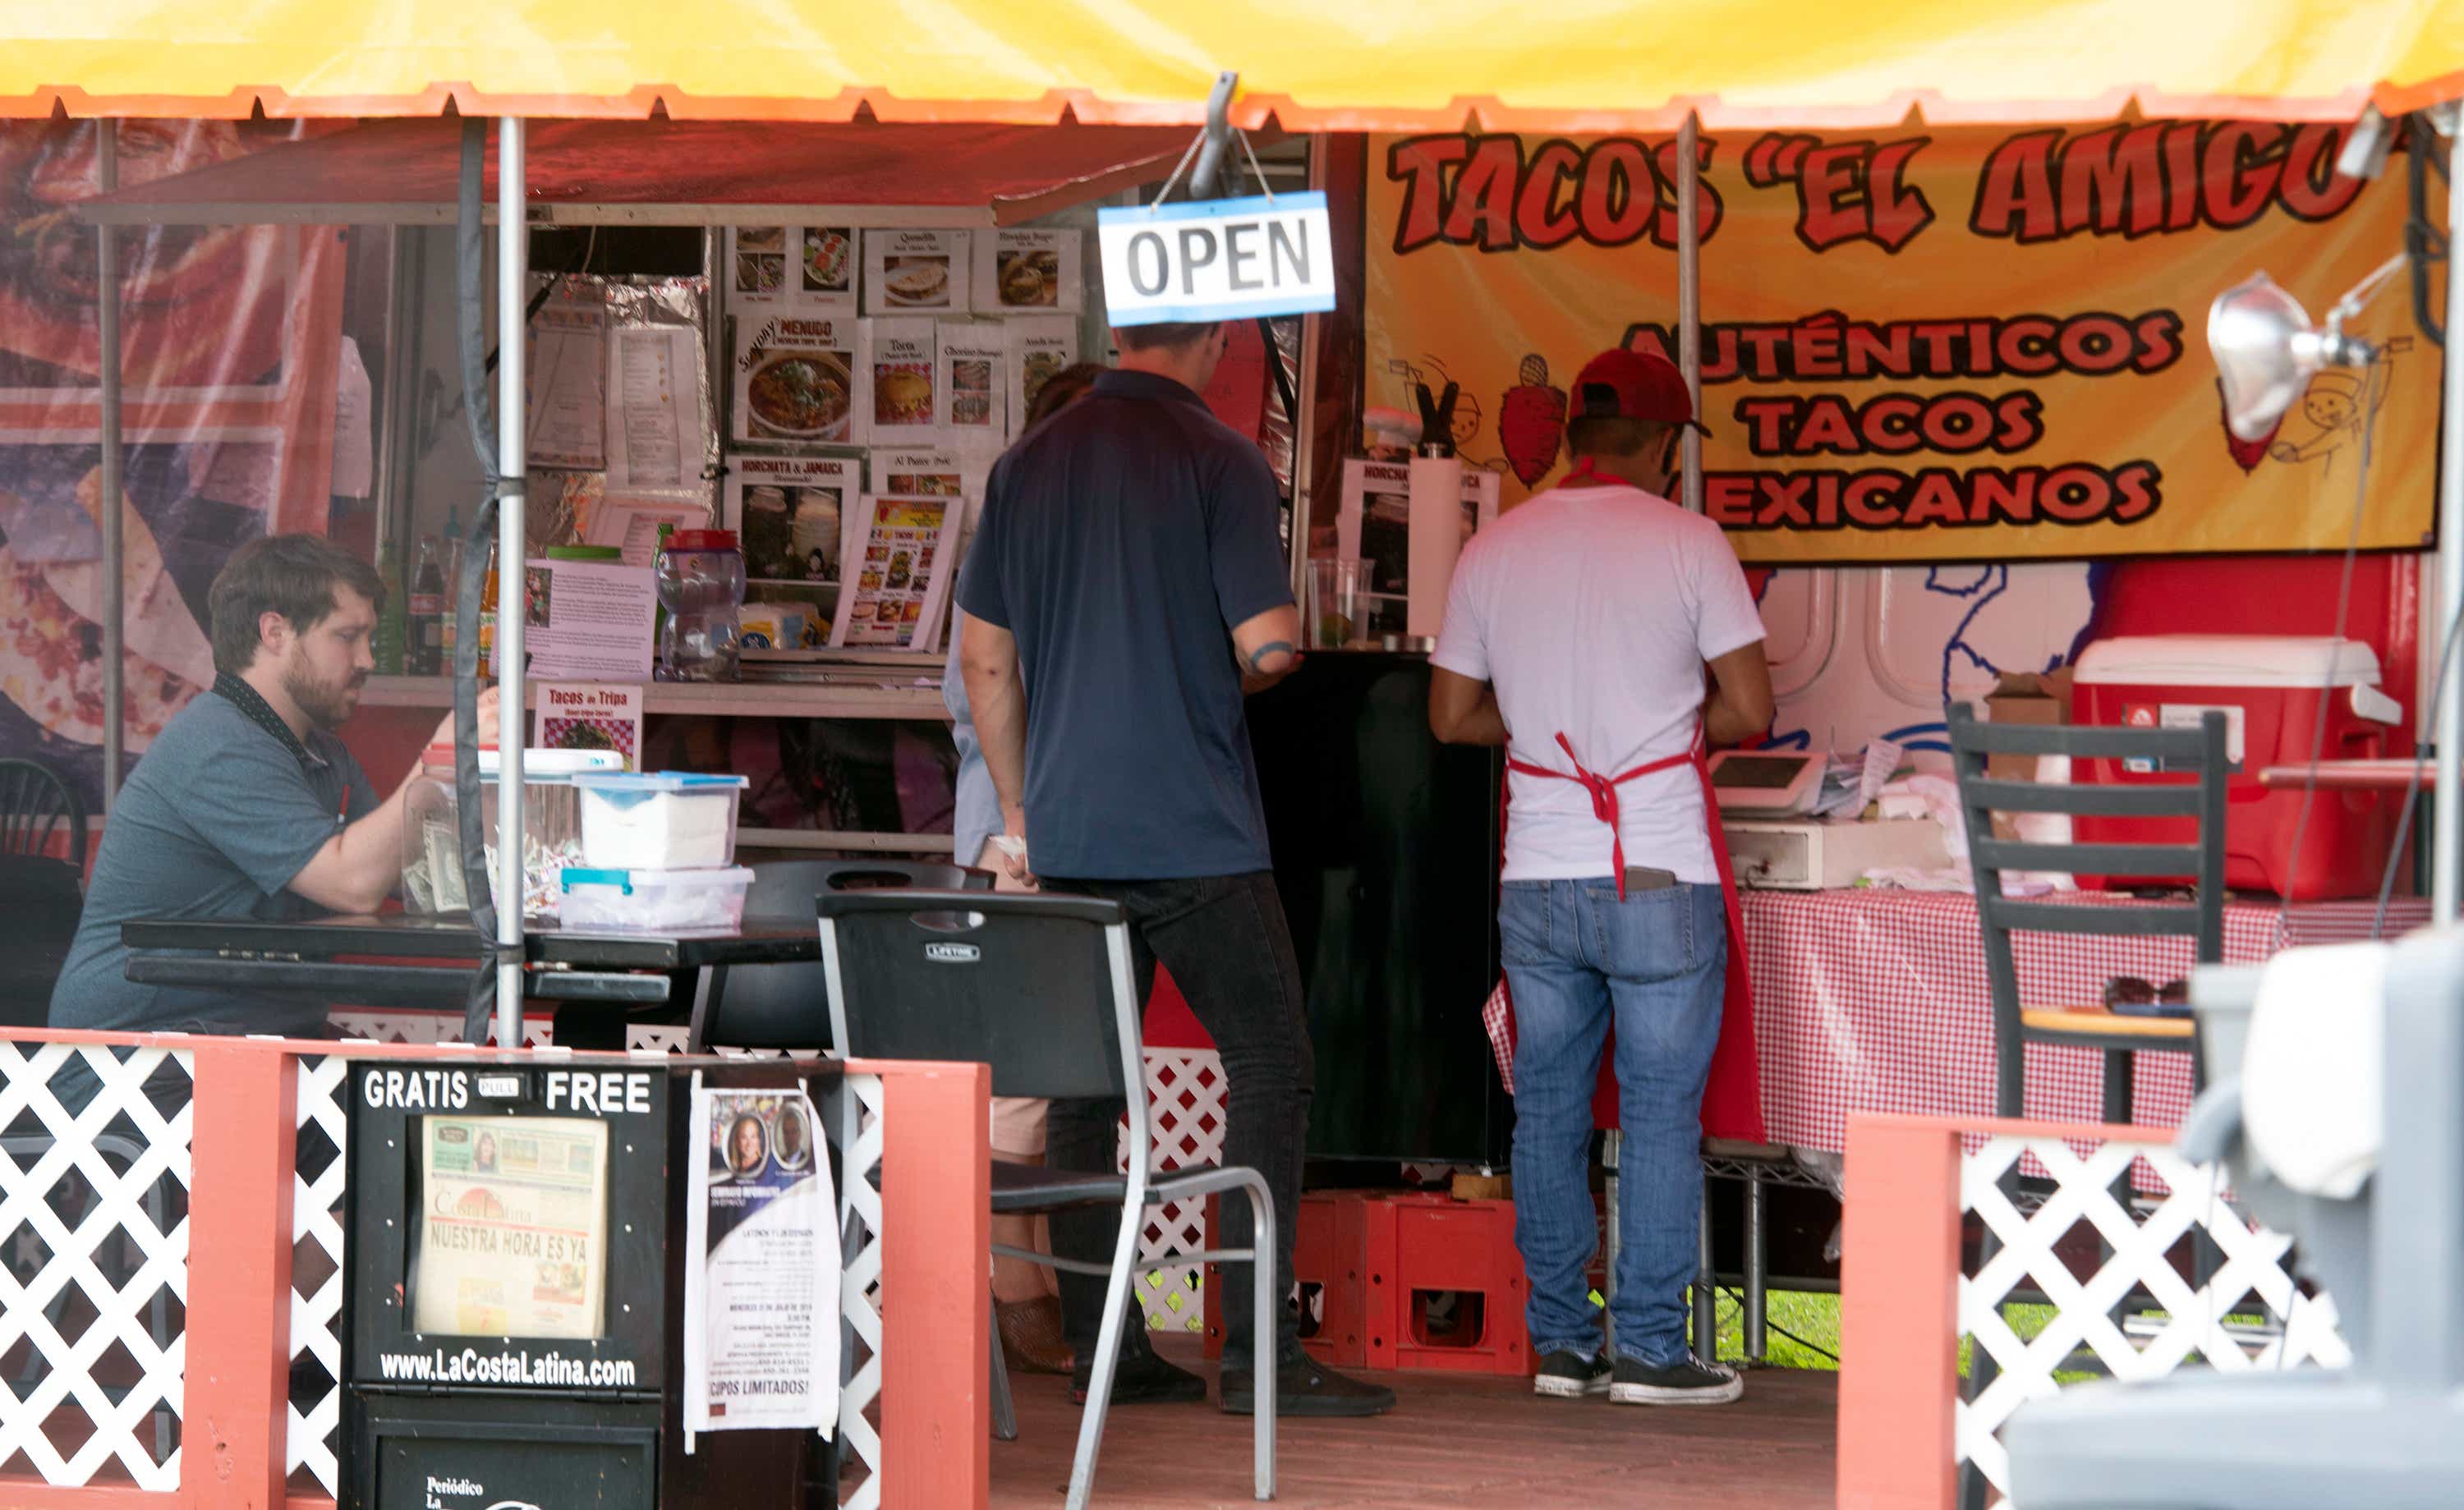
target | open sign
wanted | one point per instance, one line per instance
(1217, 259)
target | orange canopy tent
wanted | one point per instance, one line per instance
(1576, 65)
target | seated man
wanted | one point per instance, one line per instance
(247, 805)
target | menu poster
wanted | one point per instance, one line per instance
(1039, 348)
(761, 1266)
(795, 378)
(567, 378)
(654, 423)
(901, 580)
(1373, 523)
(811, 266)
(974, 399)
(791, 514)
(896, 360)
(930, 472)
(1029, 272)
(589, 715)
(589, 620)
(513, 1227)
(915, 272)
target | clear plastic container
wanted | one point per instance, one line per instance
(658, 900)
(431, 834)
(659, 821)
(701, 585)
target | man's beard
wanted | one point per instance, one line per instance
(327, 705)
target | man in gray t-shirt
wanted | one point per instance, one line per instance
(247, 805)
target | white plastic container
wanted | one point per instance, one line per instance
(654, 900)
(667, 821)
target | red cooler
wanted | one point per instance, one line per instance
(2269, 689)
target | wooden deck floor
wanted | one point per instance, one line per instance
(1455, 1440)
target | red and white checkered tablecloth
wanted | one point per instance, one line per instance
(1875, 1000)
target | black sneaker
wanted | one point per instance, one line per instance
(1306, 1387)
(1570, 1377)
(1142, 1377)
(1688, 1381)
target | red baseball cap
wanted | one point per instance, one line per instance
(1621, 383)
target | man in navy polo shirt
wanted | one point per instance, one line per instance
(1126, 588)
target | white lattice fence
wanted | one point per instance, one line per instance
(93, 1297)
(316, 1409)
(860, 1297)
(2182, 1324)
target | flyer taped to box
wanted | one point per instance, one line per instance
(762, 1265)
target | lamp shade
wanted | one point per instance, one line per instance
(2266, 353)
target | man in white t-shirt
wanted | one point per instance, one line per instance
(1577, 633)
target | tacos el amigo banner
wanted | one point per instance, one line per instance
(1929, 346)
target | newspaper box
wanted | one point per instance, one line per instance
(525, 1321)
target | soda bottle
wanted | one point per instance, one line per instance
(425, 652)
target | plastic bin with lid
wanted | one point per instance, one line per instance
(2270, 690)
(638, 901)
(658, 821)
(431, 834)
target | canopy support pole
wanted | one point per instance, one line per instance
(513, 446)
(108, 508)
(2446, 841)
(1689, 299)
(1303, 417)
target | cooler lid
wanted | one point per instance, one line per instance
(2229, 660)
(537, 765)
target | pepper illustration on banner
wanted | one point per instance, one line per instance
(1973, 344)
(1532, 422)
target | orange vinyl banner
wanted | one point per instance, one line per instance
(1970, 345)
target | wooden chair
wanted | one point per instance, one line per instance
(2193, 844)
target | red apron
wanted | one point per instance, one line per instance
(1732, 1096)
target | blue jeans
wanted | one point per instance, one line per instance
(1576, 960)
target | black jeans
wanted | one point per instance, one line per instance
(1230, 952)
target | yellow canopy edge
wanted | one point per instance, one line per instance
(1393, 65)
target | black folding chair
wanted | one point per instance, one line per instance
(1039, 988)
(784, 1006)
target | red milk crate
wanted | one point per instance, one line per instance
(1330, 1259)
(1421, 1246)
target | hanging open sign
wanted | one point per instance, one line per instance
(1217, 259)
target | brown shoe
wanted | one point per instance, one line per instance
(1030, 1333)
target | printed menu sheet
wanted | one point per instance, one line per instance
(589, 715)
(900, 582)
(1029, 272)
(974, 399)
(513, 1227)
(654, 407)
(1039, 348)
(897, 360)
(917, 272)
(762, 1266)
(795, 378)
(589, 620)
(568, 378)
(812, 267)
(792, 513)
